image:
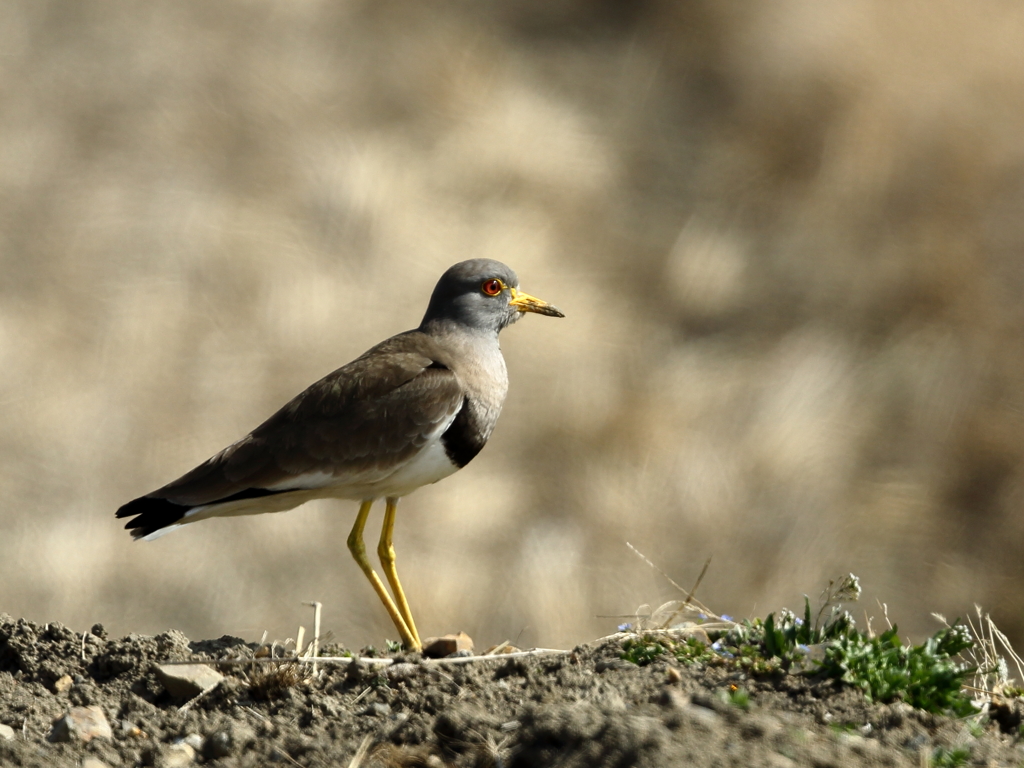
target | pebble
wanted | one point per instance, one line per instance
(185, 681)
(217, 744)
(128, 728)
(194, 740)
(446, 645)
(93, 762)
(63, 684)
(226, 741)
(81, 724)
(6, 733)
(178, 755)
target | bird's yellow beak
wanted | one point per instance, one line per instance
(524, 302)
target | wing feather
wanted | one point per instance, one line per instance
(357, 424)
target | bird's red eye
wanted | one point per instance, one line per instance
(492, 287)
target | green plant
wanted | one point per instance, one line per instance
(643, 650)
(844, 728)
(737, 696)
(784, 636)
(950, 758)
(692, 651)
(925, 676)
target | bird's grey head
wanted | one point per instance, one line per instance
(482, 295)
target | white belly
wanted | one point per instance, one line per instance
(428, 466)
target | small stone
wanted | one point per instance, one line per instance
(130, 729)
(217, 744)
(699, 635)
(194, 740)
(93, 762)
(98, 631)
(186, 681)
(63, 684)
(227, 741)
(81, 724)
(6, 733)
(439, 647)
(178, 755)
(673, 676)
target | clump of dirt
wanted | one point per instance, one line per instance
(586, 707)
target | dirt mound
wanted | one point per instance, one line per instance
(587, 707)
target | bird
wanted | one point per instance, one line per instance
(410, 411)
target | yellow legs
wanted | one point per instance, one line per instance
(400, 613)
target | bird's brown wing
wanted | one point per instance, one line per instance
(356, 424)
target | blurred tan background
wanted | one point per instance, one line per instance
(788, 236)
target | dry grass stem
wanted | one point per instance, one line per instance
(191, 702)
(361, 753)
(314, 648)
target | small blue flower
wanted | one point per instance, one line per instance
(726, 617)
(805, 649)
(798, 621)
(702, 616)
(717, 648)
(625, 627)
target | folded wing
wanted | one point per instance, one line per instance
(355, 426)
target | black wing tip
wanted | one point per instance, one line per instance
(154, 513)
(150, 515)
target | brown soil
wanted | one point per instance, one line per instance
(582, 708)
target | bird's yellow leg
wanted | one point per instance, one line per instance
(386, 552)
(358, 550)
